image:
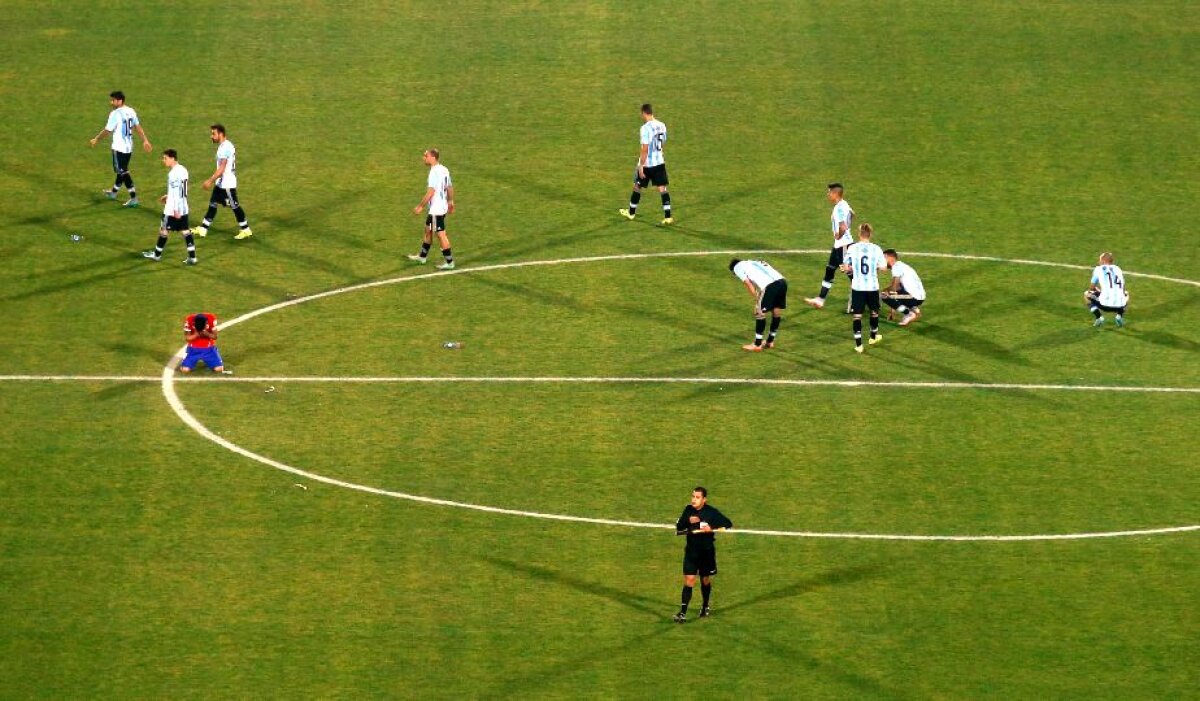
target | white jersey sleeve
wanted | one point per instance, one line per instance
(759, 272)
(842, 214)
(228, 153)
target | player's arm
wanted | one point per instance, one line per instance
(145, 139)
(103, 133)
(751, 288)
(683, 525)
(216, 173)
(645, 150)
(716, 519)
(449, 199)
(424, 201)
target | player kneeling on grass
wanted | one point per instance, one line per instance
(1107, 292)
(698, 522)
(769, 289)
(906, 293)
(200, 330)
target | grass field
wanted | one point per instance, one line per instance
(138, 559)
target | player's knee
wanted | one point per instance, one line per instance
(184, 370)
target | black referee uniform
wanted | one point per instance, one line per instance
(700, 553)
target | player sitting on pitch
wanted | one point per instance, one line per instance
(1107, 293)
(200, 330)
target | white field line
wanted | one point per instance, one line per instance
(399, 379)
(168, 389)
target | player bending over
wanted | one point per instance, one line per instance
(698, 522)
(769, 289)
(1107, 292)
(200, 330)
(906, 293)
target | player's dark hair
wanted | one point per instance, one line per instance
(434, 152)
(200, 321)
(218, 127)
(117, 95)
(647, 108)
(170, 153)
(702, 490)
(891, 252)
(836, 187)
(733, 262)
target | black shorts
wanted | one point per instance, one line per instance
(435, 222)
(1093, 299)
(860, 299)
(121, 162)
(703, 563)
(902, 299)
(774, 297)
(654, 174)
(170, 223)
(837, 255)
(226, 197)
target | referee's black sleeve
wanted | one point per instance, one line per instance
(682, 526)
(718, 520)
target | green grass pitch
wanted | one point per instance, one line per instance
(138, 560)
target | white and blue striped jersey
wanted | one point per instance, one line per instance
(865, 260)
(226, 152)
(654, 135)
(1111, 281)
(759, 272)
(177, 191)
(121, 122)
(842, 213)
(439, 180)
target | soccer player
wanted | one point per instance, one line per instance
(439, 195)
(652, 167)
(1107, 293)
(122, 122)
(200, 330)
(906, 292)
(225, 192)
(841, 220)
(698, 521)
(863, 261)
(175, 209)
(769, 289)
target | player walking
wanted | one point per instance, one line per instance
(1107, 293)
(906, 293)
(175, 209)
(200, 331)
(225, 192)
(439, 195)
(863, 261)
(122, 122)
(698, 521)
(652, 166)
(841, 220)
(769, 289)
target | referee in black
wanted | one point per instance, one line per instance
(698, 522)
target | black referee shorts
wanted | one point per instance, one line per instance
(703, 563)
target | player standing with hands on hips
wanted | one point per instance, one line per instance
(698, 521)
(652, 165)
(122, 122)
(439, 195)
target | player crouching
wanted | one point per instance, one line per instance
(1107, 293)
(200, 330)
(906, 293)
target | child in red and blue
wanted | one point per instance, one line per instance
(200, 330)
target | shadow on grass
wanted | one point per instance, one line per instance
(840, 576)
(126, 264)
(642, 604)
(131, 351)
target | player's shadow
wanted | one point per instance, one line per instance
(836, 577)
(323, 207)
(1163, 338)
(125, 265)
(973, 343)
(537, 242)
(637, 602)
(119, 390)
(345, 275)
(131, 352)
